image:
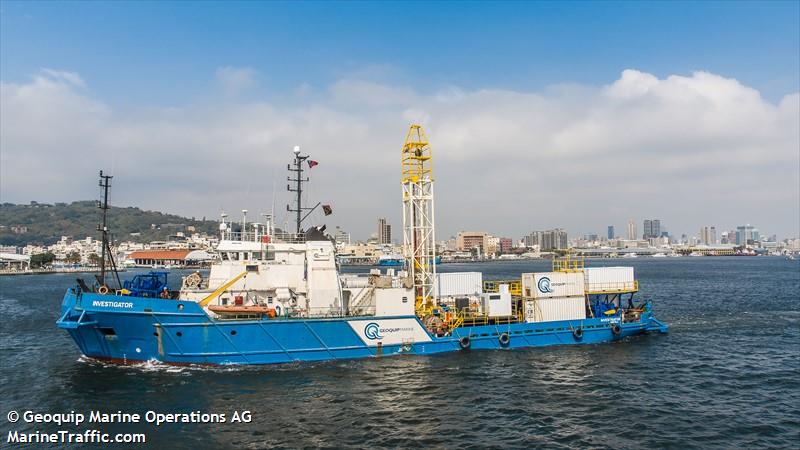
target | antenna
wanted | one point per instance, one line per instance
(298, 189)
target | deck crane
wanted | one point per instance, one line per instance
(419, 243)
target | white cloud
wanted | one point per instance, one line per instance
(691, 150)
(60, 75)
(235, 80)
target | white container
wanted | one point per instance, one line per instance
(552, 284)
(394, 302)
(609, 279)
(555, 308)
(496, 304)
(458, 283)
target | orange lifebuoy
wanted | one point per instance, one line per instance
(103, 290)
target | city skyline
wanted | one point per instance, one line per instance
(537, 133)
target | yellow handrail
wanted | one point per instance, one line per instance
(221, 289)
(514, 286)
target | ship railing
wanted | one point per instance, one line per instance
(569, 264)
(612, 287)
(251, 236)
(514, 286)
(334, 312)
(289, 238)
(456, 318)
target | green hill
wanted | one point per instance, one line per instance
(39, 223)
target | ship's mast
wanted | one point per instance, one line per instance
(298, 189)
(105, 183)
(419, 238)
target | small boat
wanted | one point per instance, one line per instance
(391, 261)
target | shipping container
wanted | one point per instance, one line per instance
(609, 279)
(450, 284)
(394, 302)
(555, 308)
(496, 304)
(552, 284)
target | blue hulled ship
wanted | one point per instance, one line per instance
(276, 297)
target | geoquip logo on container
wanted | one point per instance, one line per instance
(372, 331)
(544, 285)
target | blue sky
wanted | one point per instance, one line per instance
(684, 111)
(166, 52)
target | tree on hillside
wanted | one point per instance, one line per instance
(94, 259)
(73, 257)
(42, 259)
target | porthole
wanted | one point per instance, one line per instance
(179, 334)
(233, 332)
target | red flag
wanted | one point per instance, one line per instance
(312, 163)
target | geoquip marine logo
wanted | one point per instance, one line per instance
(372, 331)
(544, 285)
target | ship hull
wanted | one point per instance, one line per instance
(132, 329)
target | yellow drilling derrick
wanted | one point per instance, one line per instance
(419, 244)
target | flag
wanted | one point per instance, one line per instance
(327, 210)
(312, 163)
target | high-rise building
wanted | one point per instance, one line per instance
(341, 237)
(632, 234)
(610, 232)
(747, 235)
(548, 240)
(384, 231)
(652, 229)
(505, 245)
(708, 235)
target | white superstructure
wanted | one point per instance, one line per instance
(292, 276)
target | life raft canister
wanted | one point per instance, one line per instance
(577, 333)
(615, 329)
(504, 339)
(464, 343)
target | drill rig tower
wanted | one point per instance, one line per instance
(419, 244)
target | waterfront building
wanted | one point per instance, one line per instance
(632, 234)
(708, 235)
(747, 235)
(505, 245)
(548, 240)
(652, 229)
(492, 245)
(175, 258)
(384, 231)
(610, 234)
(341, 237)
(468, 240)
(14, 261)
